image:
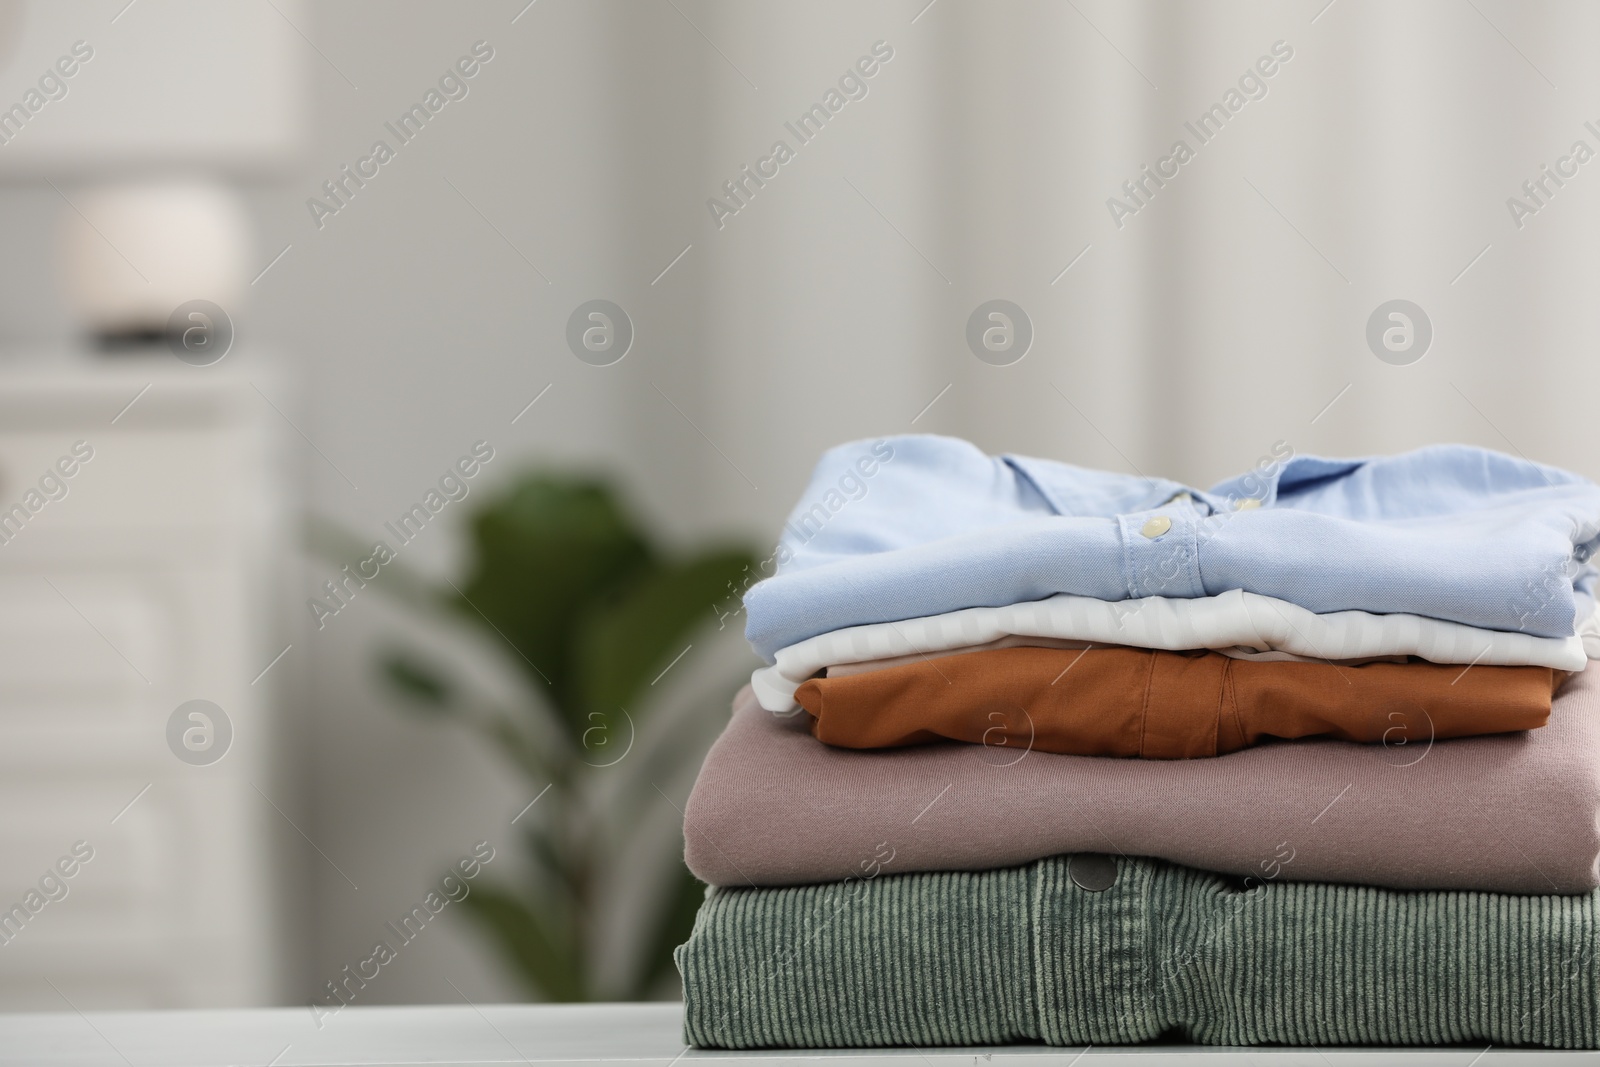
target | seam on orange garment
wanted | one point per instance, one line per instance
(1239, 719)
(1144, 711)
(1229, 703)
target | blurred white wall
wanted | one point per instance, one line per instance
(1225, 315)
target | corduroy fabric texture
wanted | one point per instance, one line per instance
(1024, 954)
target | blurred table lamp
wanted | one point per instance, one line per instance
(145, 120)
(190, 240)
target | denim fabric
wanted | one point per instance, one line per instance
(1449, 532)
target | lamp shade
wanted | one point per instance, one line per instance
(131, 253)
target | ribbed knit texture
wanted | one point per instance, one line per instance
(1023, 954)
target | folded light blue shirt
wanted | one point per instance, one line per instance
(910, 526)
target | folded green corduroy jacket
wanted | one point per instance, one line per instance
(1028, 954)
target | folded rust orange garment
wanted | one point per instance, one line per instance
(1167, 705)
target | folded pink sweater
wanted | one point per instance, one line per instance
(1515, 813)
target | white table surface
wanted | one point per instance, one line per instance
(553, 1035)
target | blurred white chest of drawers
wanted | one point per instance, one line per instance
(141, 540)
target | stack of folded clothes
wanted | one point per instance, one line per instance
(1049, 754)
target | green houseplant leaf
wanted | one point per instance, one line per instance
(545, 551)
(549, 963)
(595, 614)
(625, 641)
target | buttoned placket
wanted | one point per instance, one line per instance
(1161, 552)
